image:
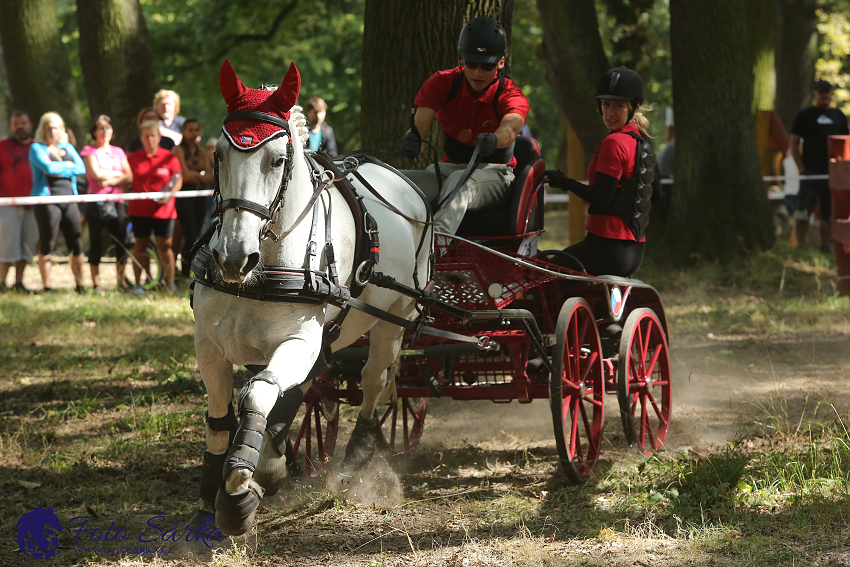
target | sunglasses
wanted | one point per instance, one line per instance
(485, 66)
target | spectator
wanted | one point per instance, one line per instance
(107, 171)
(145, 114)
(167, 106)
(321, 136)
(19, 233)
(192, 211)
(154, 169)
(813, 126)
(55, 165)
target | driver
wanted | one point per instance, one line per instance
(472, 102)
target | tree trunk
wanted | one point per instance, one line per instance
(796, 52)
(720, 206)
(572, 59)
(399, 57)
(761, 31)
(37, 66)
(117, 69)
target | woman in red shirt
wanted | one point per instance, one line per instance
(619, 201)
(154, 169)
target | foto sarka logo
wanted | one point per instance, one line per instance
(37, 530)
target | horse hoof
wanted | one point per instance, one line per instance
(236, 513)
(365, 440)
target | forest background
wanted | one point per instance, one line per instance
(730, 58)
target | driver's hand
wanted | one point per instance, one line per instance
(411, 143)
(486, 144)
(556, 178)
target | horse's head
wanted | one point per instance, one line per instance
(255, 154)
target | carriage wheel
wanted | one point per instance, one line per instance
(577, 390)
(643, 381)
(411, 413)
(312, 446)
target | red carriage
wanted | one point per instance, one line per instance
(501, 322)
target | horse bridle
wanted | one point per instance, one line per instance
(265, 213)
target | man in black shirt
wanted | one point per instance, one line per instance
(813, 126)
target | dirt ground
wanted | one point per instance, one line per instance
(415, 512)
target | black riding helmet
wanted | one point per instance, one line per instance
(482, 40)
(620, 83)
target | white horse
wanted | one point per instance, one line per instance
(261, 157)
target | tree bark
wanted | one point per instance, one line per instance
(720, 206)
(572, 59)
(37, 66)
(796, 53)
(117, 69)
(399, 57)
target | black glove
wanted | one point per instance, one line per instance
(411, 143)
(487, 144)
(557, 179)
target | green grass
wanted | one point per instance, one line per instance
(102, 409)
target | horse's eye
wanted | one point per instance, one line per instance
(278, 162)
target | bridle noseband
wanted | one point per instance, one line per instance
(265, 213)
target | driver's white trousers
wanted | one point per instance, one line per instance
(486, 188)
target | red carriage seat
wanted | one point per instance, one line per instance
(525, 211)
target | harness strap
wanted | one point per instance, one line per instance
(417, 326)
(256, 208)
(386, 203)
(256, 115)
(276, 237)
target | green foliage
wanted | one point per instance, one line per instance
(526, 36)
(833, 61)
(190, 40)
(652, 27)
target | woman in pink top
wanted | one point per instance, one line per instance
(108, 172)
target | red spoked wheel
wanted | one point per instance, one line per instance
(643, 381)
(402, 423)
(577, 390)
(312, 444)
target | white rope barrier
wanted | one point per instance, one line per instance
(14, 201)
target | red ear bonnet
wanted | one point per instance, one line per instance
(247, 134)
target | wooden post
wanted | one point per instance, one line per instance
(763, 143)
(839, 186)
(577, 169)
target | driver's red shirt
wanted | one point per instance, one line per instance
(151, 174)
(466, 111)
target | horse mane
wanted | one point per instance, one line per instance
(299, 120)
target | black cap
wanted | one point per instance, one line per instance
(821, 85)
(482, 40)
(620, 83)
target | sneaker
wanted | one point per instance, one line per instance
(139, 290)
(81, 290)
(19, 287)
(172, 288)
(3, 287)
